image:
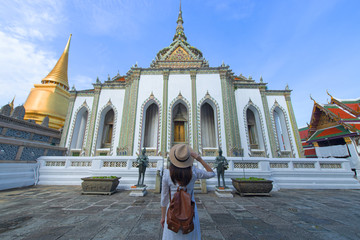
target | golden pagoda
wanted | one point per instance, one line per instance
(51, 97)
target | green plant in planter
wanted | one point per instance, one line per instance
(250, 179)
(104, 177)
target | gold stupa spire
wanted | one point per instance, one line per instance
(51, 97)
(59, 72)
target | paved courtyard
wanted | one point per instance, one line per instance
(61, 212)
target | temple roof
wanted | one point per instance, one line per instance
(331, 132)
(337, 118)
(179, 54)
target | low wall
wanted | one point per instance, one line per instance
(70, 170)
(14, 175)
(287, 173)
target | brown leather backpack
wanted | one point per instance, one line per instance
(181, 212)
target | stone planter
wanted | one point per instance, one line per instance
(106, 186)
(258, 187)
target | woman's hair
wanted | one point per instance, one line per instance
(182, 176)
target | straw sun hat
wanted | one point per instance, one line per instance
(180, 156)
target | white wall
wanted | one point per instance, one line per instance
(180, 83)
(282, 102)
(77, 105)
(14, 175)
(117, 99)
(211, 83)
(148, 84)
(242, 96)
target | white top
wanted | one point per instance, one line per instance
(166, 182)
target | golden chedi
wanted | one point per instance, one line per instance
(51, 97)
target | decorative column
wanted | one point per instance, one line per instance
(94, 109)
(126, 142)
(294, 126)
(233, 143)
(268, 122)
(66, 127)
(194, 111)
(164, 114)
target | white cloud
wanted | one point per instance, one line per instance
(82, 82)
(24, 26)
(31, 20)
(22, 65)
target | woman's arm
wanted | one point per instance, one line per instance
(163, 212)
(200, 160)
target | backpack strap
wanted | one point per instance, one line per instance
(170, 193)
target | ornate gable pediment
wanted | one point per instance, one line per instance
(325, 121)
(179, 54)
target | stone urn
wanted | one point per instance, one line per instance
(99, 185)
(252, 187)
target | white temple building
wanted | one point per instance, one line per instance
(181, 99)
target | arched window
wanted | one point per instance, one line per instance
(254, 129)
(208, 128)
(180, 120)
(107, 130)
(77, 140)
(281, 132)
(151, 126)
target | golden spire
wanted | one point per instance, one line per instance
(59, 72)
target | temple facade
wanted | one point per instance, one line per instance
(334, 131)
(181, 99)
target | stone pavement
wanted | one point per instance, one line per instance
(61, 212)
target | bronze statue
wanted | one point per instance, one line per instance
(221, 165)
(142, 163)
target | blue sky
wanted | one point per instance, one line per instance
(312, 46)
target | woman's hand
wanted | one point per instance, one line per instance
(162, 221)
(195, 155)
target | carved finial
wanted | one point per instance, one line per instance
(108, 77)
(97, 80)
(136, 64)
(151, 95)
(73, 88)
(223, 64)
(261, 79)
(312, 98)
(109, 102)
(250, 77)
(287, 87)
(329, 94)
(12, 103)
(250, 100)
(179, 94)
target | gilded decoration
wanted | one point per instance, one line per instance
(179, 55)
(106, 107)
(84, 105)
(150, 100)
(208, 99)
(283, 153)
(174, 102)
(251, 104)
